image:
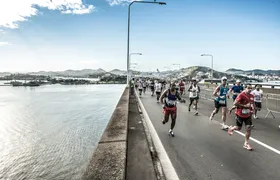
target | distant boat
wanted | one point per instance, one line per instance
(16, 83)
(31, 83)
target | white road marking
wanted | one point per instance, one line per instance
(167, 166)
(251, 138)
(255, 140)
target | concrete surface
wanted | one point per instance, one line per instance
(109, 159)
(116, 129)
(139, 160)
(108, 162)
(201, 150)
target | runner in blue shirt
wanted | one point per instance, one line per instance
(236, 89)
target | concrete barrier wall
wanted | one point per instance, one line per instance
(109, 159)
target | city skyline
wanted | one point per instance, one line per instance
(74, 34)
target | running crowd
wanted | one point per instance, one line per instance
(246, 101)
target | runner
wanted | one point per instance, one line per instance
(152, 86)
(258, 95)
(236, 89)
(245, 108)
(221, 93)
(140, 88)
(177, 86)
(144, 86)
(168, 98)
(158, 90)
(132, 85)
(194, 90)
(181, 87)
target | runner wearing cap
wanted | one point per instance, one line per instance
(236, 89)
(221, 94)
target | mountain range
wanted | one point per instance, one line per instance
(72, 73)
(255, 71)
(190, 71)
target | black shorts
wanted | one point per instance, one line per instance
(193, 98)
(158, 93)
(240, 121)
(140, 89)
(218, 105)
(258, 105)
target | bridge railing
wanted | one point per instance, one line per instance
(272, 102)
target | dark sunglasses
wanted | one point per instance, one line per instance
(224, 80)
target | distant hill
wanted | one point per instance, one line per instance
(118, 72)
(255, 71)
(2, 74)
(205, 73)
(72, 73)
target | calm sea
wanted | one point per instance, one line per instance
(50, 132)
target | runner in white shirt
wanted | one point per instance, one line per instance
(258, 95)
(140, 87)
(144, 86)
(194, 90)
(158, 90)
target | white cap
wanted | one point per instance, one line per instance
(238, 81)
(224, 78)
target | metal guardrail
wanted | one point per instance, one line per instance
(272, 102)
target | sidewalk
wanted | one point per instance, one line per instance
(139, 162)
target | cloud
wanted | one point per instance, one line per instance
(3, 43)
(118, 2)
(14, 11)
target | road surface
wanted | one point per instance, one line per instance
(201, 150)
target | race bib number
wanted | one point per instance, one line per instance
(171, 103)
(257, 98)
(245, 111)
(194, 94)
(222, 102)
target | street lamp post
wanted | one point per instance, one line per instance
(212, 65)
(128, 31)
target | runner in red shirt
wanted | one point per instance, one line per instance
(245, 108)
(182, 87)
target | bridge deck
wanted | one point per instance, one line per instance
(201, 150)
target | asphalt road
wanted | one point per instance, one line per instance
(201, 150)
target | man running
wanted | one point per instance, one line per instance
(152, 86)
(194, 90)
(144, 86)
(181, 87)
(140, 88)
(258, 95)
(158, 90)
(221, 94)
(236, 89)
(245, 108)
(168, 98)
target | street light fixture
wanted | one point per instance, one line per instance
(128, 30)
(212, 65)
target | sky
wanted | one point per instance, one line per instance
(89, 34)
